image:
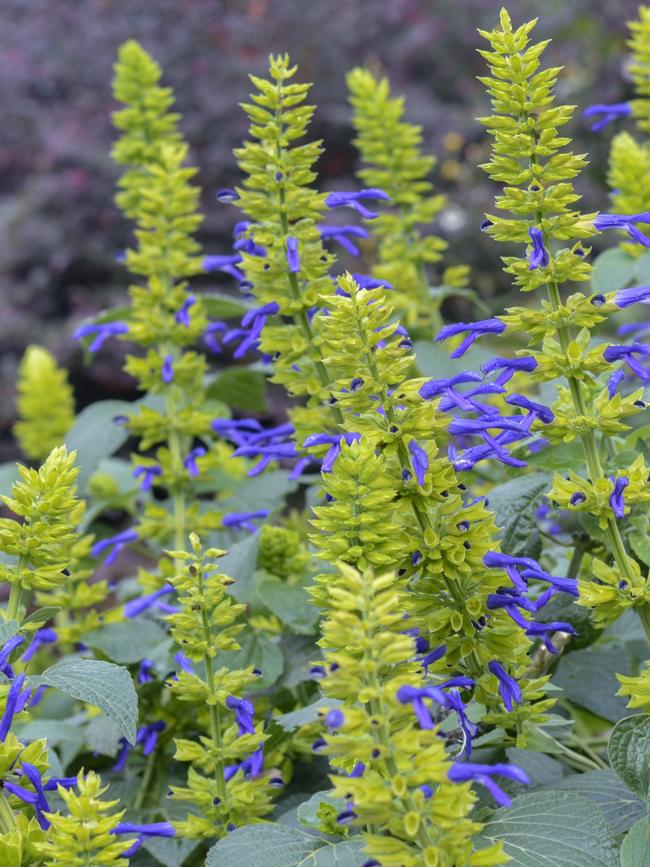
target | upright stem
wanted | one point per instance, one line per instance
(15, 598)
(213, 708)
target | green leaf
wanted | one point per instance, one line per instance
(541, 769)
(127, 642)
(269, 845)
(8, 629)
(309, 714)
(640, 536)
(291, 603)
(514, 504)
(275, 845)
(619, 805)
(261, 652)
(220, 306)
(642, 269)
(240, 387)
(263, 492)
(42, 614)
(299, 653)
(553, 829)
(613, 269)
(588, 677)
(559, 458)
(8, 475)
(307, 811)
(433, 359)
(95, 435)
(56, 731)
(103, 736)
(99, 683)
(169, 851)
(239, 564)
(635, 850)
(629, 752)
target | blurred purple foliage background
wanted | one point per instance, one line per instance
(60, 229)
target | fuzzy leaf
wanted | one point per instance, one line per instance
(102, 684)
(95, 435)
(169, 852)
(291, 604)
(629, 752)
(261, 652)
(620, 806)
(635, 849)
(296, 718)
(275, 845)
(514, 504)
(7, 630)
(128, 642)
(553, 829)
(239, 387)
(613, 269)
(220, 306)
(588, 678)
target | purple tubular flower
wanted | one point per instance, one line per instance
(101, 332)
(293, 259)
(334, 718)
(189, 461)
(235, 429)
(244, 519)
(416, 696)
(16, 700)
(473, 329)
(439, 387)
(614, 381)
(509, 366)
(144, 671)
(627, 354)
(226, 196)
(433, 656)
(542, 412)
(155, 829)
(41, 637)
(465, 772)
(144, 603)
(334, 441)
(184, 662)
(464, 426)
(455, 703)
(244, 712)
(616, 500)
(115, 543)
(167, 370)
(37, 798)
(562, 585)
(354, 200)
(419, 462)
(122, 756)
(512, 566)
(183, 315)
(342, 234)
(509, 689)
(211, 336)
(365, 281)
(148, 736)
(626, 222)
(7, 649)
(539, 257)
(252, 323)
(605, 114)
(224, 263)
(148, 473)
(542, 630)
(632, 295)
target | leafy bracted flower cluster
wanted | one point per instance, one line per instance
(529, 157)
(391, 151)
(413, 811)
(226, 782)
(40, 543)
(45, 403)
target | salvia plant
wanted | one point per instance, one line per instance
(396, 615)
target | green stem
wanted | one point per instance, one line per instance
(213, 707)
(15, 598)
(143, 791)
